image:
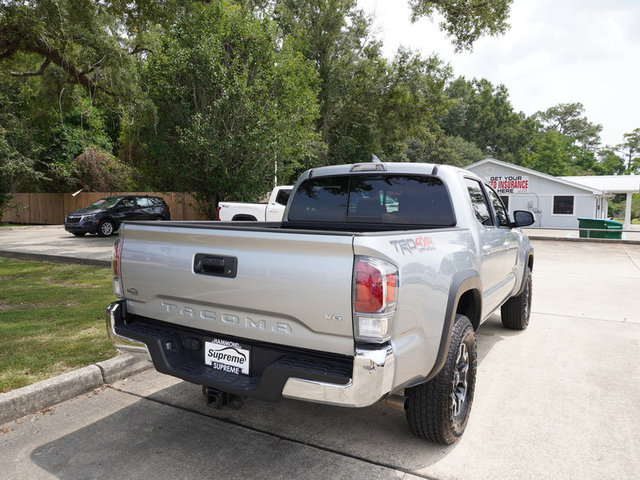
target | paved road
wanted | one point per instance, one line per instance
(558, 400)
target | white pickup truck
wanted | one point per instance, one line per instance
(271, 211)
(371, 288)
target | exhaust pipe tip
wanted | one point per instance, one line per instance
(397, 402)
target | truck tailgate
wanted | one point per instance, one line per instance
(289, 288)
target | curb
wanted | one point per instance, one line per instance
(41, 257)
(16, 226)
(584, 240)
(46, 393)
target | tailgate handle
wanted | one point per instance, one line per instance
(215, 266)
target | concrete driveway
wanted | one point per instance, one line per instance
(559, 400)
(54, 243)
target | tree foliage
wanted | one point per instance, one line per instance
(465, 21)
(214, 96)
(228, 105)
(19, 154)
(569, 120)
(630, 150)
(550, 154)
(92, 43)
(482, 113)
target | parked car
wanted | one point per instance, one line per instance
(271, 211)
(372, 287)
(105, 216)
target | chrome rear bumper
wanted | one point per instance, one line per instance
(372, 379)
(124, 344)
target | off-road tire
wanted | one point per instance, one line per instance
(430, 406)
(79, 234)
(106, 228)
(516, 311)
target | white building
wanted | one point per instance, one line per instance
(557, 202)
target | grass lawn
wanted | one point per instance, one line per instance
(51, 319)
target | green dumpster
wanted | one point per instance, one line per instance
(609, 228)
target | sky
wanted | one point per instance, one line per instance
(556, 51)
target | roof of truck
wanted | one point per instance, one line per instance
(375, 167)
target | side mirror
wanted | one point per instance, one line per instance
(522, 218)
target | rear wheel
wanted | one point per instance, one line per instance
(106, 228)
(438, 410)
(516, 311)
(159, 218)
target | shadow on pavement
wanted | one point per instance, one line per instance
(171, 433)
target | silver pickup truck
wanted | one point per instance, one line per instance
(371, 288)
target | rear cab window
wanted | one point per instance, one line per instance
(373, 200)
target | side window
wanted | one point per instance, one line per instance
(505, 201)
(503, 218)
(128, 202)
(479, 202)
(283, 197)
(144, 202)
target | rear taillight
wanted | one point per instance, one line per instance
(374, 299)
(218, 213)
(117, 251)
(115, 263)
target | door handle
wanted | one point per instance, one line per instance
(215, 265)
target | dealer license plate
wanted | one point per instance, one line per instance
(227, 356)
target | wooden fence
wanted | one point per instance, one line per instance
(50, 208)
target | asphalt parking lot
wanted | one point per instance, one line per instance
(559, 400)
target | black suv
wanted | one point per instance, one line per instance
(105, 216)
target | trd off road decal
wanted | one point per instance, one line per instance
(413, 245)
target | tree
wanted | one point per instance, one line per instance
(464, 153)
(630, 149)
(227, 104)
(609, 163)
(333, 35)
(568, 119)
(367, 104)
(465, 20)
(550, 154)
(19, 152)
(436, 148)
(412, 101)
(73, 66)
(92, 43)
(482, 114)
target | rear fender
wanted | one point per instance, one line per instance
(462, 282)
(528, 264)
